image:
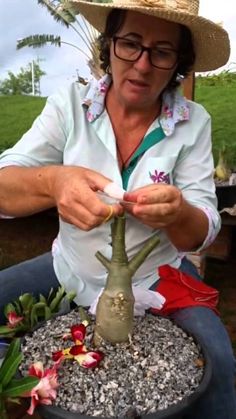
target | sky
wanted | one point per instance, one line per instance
(21, 18)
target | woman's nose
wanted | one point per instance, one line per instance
(143, 64)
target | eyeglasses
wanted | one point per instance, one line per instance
(160, 57)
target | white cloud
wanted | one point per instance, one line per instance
(21, 18)
(213, 10)
(225, 12)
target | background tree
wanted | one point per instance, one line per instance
(21, 83)
(62, 11)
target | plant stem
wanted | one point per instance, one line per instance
(114, 314)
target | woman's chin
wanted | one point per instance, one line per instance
(137, 102)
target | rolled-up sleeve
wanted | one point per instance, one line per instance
(194, 174)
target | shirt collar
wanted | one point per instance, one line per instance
(175, 107)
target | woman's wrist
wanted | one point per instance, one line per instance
(190, 228)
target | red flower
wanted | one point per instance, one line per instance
(45, 391)
(57, 356)
(13, 319)
(78, 332)
(89, 359)
(79, 352)
(78, 349)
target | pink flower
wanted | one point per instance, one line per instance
(86, 359)
(89, 359)
(45, 391)
(13, 319)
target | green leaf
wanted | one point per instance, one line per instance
(14, 348)
(54, 306)
(8, 308)
(33, 320)
(21, 386)
(38, 306)
(9, 368)
(42, 299)
(71, 295)
(50, 295)
(48, 313)
(84, 315)
(26, 301)
(18, 308)
(5, 330)
(39, 40)
(36, 309)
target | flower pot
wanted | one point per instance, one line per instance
(226, 195)
(176, 411)
(3, 349)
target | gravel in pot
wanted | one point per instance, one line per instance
(159, 374)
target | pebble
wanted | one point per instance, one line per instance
(158, 369)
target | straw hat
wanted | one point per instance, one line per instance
(210, 40)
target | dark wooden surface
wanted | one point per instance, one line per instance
(25, 238)
(16, 411)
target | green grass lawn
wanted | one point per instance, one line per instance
(220, 102)
(18, 113)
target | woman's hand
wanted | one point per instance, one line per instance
(74, 191)
(163, 207)
(157, 206)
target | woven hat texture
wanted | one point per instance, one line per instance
(211, 41)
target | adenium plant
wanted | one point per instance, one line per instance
(115, 308)
(26, 312)
(44, 392)
(11, 388)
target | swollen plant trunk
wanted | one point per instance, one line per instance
(115, 309)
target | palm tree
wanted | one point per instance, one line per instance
(62, 12)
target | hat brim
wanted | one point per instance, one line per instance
(211, 41)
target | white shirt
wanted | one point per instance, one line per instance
(70, 133)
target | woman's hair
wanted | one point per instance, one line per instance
(116, 19)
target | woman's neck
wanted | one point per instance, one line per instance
(129, 125)
(131, 116)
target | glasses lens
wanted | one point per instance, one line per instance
(127, 49)
(163, 57)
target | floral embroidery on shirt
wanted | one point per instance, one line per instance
(174, 108)
(166, 112)
(95, 98)
(159, 177)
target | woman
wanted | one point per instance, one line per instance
(133, 129)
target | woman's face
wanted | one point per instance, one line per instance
(138, 85)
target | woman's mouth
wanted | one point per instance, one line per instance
(138, 83)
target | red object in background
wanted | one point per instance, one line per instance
(182, 290)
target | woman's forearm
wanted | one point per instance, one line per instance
(189, 231)
(25, 191)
